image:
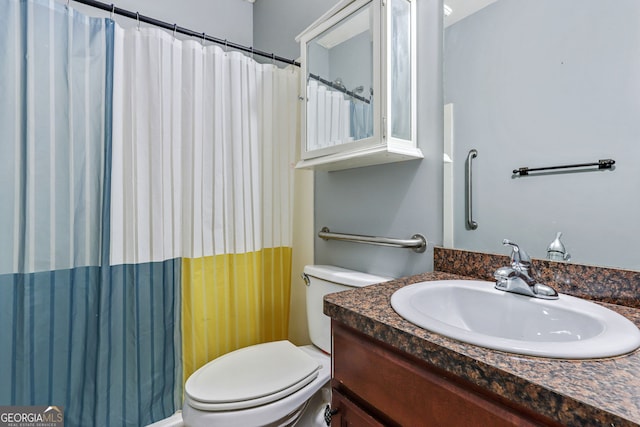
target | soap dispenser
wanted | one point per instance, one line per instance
(556, 250)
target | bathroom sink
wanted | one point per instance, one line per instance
(474, 312)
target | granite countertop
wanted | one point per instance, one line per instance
(573, 392)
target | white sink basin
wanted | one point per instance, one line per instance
(474, 312)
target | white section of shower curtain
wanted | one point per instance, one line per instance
(328, 117)
(52, 133)
(203, 148)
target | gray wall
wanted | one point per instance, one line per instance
(393, 200)
(352, 61)
(225, 19)
(543, 83)
(276, 23)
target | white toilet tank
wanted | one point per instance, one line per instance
(326, 279)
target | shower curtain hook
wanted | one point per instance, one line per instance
(251, 52)
(138, 20)
(175, 27)
(113, 10)
(226, 46)
(273, 59)
(203, 39)
(68, 1)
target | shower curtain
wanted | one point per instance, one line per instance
(335, 118)
(145, 217)
(202, 171)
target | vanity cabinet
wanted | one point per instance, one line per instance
(375, 384)
(358, 85)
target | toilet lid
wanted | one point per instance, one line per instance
(251, 376)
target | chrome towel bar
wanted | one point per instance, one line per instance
(601, 164)
(417, 242)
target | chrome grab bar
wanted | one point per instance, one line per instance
(471, 224)
(417, 242)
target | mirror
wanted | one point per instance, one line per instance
(401, 75)
(536, 84)
(340, 82)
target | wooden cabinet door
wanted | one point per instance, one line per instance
(408, 392)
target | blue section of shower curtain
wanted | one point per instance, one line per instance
(361, 122)
(76, 332)
(96, 340)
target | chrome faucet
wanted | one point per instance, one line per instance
(520, 277)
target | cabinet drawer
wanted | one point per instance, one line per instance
(409, 392)
(348, 413)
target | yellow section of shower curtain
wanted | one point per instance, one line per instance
(231, 301)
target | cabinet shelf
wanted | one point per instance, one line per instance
(368, 156)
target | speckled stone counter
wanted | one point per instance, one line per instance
(602, 392)
(603, 284)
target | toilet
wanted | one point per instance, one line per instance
(276, 383)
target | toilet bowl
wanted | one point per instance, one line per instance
(275, 383)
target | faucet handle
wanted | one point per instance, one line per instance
(518, 256)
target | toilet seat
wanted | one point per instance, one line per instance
(275, 413)
(250, 377)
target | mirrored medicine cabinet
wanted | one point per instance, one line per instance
(358, 86)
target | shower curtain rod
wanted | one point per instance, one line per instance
(339, 89)
(176, 29)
